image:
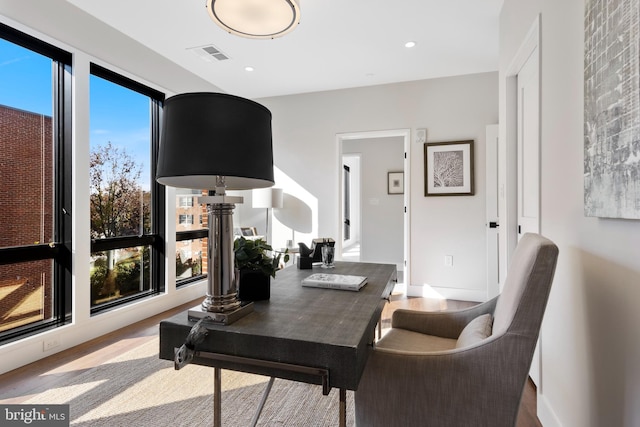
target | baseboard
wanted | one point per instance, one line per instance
(446, 293)
(546, 415)
(414, 290)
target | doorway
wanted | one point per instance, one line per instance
(369, 225)
(351, 199)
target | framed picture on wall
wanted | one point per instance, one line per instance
(249, 231)
(448, 168)
(395, 182)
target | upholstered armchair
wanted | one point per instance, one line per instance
(466, 367)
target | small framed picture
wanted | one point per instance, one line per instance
(395, 182)
(448, 168)
(249, 231)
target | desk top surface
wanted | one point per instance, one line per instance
(308, 326)
(313, 314)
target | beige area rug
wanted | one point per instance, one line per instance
(137, 389)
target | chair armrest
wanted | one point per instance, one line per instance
(445, 324)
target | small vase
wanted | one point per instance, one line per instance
(253, 286)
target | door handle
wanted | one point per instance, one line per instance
(493, 224)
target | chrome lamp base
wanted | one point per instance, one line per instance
(226, 318)
(221, 303)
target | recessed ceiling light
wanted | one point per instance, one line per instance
(248, 68)
(409, 44)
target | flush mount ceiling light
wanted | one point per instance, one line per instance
(256, 19)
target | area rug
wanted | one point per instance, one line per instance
(137, 389)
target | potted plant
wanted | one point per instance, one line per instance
(256, 263)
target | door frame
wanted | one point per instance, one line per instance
(492, 211)
(507, 156)
(406, 135)
(508, 167)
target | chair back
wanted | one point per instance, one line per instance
(521, 304)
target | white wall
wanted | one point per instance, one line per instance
(591, 333)
(297, 220)
(106, 47)
(455, 108)
(382, 216)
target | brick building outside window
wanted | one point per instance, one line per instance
(26, 214)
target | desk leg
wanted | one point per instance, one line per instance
(343, 407)
(267, 390)
(217, 397)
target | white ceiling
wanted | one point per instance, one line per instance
(338, 44)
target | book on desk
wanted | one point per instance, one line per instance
(344, 282)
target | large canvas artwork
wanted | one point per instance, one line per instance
(612, 109)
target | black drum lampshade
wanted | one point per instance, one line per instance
(206, 135)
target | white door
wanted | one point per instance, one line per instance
(528, 153)
(493, 270)
(528, 150)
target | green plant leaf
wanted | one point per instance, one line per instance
(255, 255)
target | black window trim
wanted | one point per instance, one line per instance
(112, 76)
(32, 43)
(59, 251)
(156, 240)
(16, 254)
(192, 234)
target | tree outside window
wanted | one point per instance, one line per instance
(119, 207)
(125, 202)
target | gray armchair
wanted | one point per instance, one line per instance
(466, 367)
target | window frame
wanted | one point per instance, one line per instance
(186, 201)
(59, 251)
(156, 239)
(188, 219)
(182, 236)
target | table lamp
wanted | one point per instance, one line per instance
(267, 198)
(216, 142)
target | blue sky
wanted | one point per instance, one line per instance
(24, 77)
(117, 115)
(121, 116)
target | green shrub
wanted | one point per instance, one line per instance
(128, 276)
(97, 280)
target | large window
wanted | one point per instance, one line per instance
(191, 237)
(126, 204)
(35, 185)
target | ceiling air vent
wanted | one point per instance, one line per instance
(209, 52)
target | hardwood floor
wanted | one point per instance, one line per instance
(18, 385)
(21, 382)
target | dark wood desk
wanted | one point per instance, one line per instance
(327, 329)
